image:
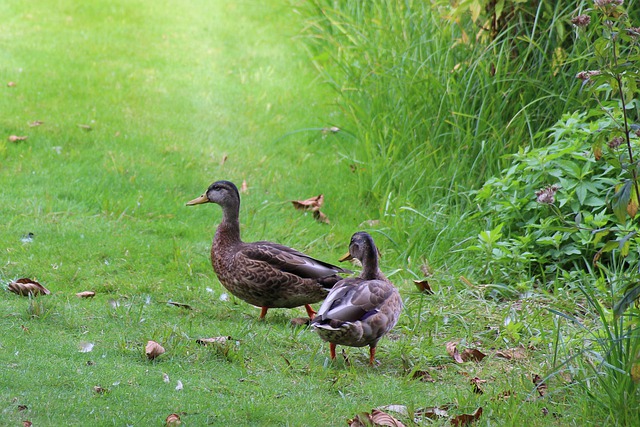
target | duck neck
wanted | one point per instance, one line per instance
(370, 269)
(229, 228)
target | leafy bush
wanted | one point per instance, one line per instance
(561, 207)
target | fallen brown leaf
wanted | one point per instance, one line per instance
(27, 423)
(22, 407)
(244, 188)
(35, 123)
(180, 304)
(475, 381)
(99, 389)
(321, 217)
(300, 321)
(153, 350)
(214, 340)
(452, 350)
(15, 138)
(540, 385)
(11, 84)
(505, 395)
(423, 376)
(24, 329)
(345, 356)
(223, 160)
(469, 354)
(173, 420)
(431, 412)
(472, 354)
(466, 419)
(517, 353)
(375, 418)
(332, 129)
(86, 294)
(85, 127)
(27, 287)
(423, 286)
(309, 204)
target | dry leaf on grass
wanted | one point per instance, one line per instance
(517, 353)
(165, 378)
(423, 286)
(85, 347)
(180, 304)
(423, 376)
(11, 84)
(153, 350)
(321, 217)
(452, 350)
(309, 204)
(313, 204)
(86, 294)
(85, 127)
(27, 287)
(332, 129)
(16, 138)
(466, 419)
(173, 420)
(214, 340)
(300, 321)
(469, 354)
(375, 418)
(26, 423)
(472, 354)
(540, 385)
(419, 414)
(244, 188)
(35, 123)
(475, 381)
(345, 356)
(99, 389)
(223, 160)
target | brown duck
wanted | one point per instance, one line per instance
(264, 274)
(359, 311)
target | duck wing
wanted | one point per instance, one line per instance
(354, 299)
(289, 260)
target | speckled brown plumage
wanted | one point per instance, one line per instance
(359, 311)
(264, 274)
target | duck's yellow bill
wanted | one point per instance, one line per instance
(198, 200)
(346, 257)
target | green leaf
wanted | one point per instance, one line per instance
(621, 200)
(628, 299)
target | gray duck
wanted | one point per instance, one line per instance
(264, 274)
(360, 310)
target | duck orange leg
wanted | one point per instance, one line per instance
(263, 312)
(310, 312)
(372, 355)
(332, 350)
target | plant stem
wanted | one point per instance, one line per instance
(634, 173)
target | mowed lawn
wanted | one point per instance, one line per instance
(130, 108)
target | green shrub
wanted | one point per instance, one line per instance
(562, 206)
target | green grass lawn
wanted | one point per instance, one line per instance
(143, 105)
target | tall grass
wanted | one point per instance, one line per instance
(434, 111)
